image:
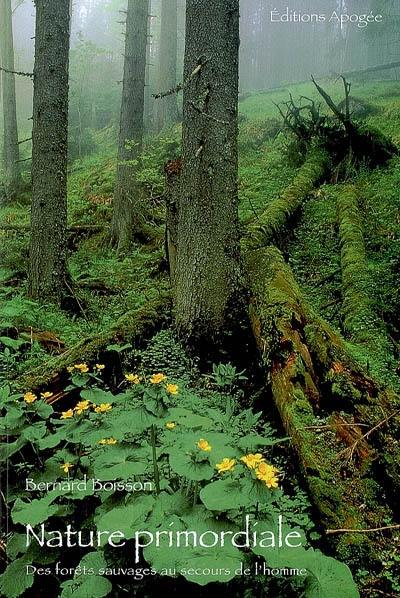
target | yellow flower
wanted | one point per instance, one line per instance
(172, 389)
(225, 465)
(170, 425)
(133, 378)
(204, 445)
(29, 397)
(82, 406)
(252, 460)
(82, 367)
(157, 378)
(100, 366)
(103, 408)
(46, 395)
(70, 369)
(108, 441)
(66, 467)
(268, 474)
(67, 414)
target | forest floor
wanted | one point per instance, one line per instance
(35, 337)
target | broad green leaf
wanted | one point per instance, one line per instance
(7, 449)
(224, 495)
(183, 465)
(35, 432)
(188, 419)
(189, 556)
(44, 410)
(14, 581)
(117, 462)
(34, 512)
(127, 518)
(86, 586)
(97, 396)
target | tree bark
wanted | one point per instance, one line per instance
(128, 206)
(10, 148)
(207, 288)
(167, 109)
(48, 248)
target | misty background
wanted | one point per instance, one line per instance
(271, 54)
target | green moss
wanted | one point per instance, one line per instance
(271, 223)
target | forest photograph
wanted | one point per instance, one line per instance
(199, 298)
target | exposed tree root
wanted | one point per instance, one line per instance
(326, 403)
(267, 227)
(135, 324)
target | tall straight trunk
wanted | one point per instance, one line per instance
(207, 280)
(148, 100)
(128, 206)
(47, 266)
(10, 147)
(167, 109)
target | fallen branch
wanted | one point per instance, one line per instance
(72, 229)
(273, 220)
(134, 324)
(20, 73)
(361, 531)
(312, 375)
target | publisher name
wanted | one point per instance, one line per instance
(336, 18)
(88, 485)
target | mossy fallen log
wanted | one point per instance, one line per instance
(360, 321)
(273, 220)
(135, 324)
(343, 424)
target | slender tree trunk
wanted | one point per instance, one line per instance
(10, 148)
(47, 267)
(207, 282)
(128, 207)
(167, 109)
(148, 100)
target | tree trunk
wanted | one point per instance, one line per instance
(342, 423)
(47, 267)
(208, 259)
(128, 206)
(11, 148)
(167, 109)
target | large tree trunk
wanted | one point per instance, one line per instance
(10, 148)
(167, 109)
(128, 206)
(207, 278)
(47, 267)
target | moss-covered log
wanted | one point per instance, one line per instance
(343, 424)
(359, 318)
(265, 229)
(135, 324)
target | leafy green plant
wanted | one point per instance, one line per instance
(162, 451)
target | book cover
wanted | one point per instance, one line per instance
(199, 299)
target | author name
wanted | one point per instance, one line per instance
(88, 484)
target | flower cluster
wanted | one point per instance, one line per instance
(83, 406)
(264, 471)
(30, 397)
(108, 441)
(172, 389)
(82, 368)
